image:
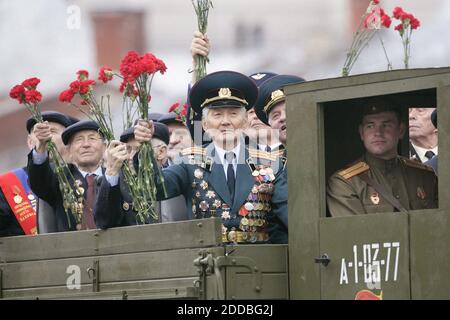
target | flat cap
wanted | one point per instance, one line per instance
(77, 127)
(51, 116)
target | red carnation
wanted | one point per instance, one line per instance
(415, 23)
(174, 106)
(184, 112)
(31, 83)
(17, 92)
(85, 86)
(398, 13)
(133, 66)
(33, 96)
(82, 74)
(105, 74)
(386, 20)
(160, 66)
(66, 96)
(376, 1)
(399, 27)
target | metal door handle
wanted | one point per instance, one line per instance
(323, 259)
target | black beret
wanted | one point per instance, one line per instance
(127, 135)
(260, 77)
(161, 132)
(154, 116)
(50, 116)
(223, 89)
(170, 117)
(79, 126)
(434, 118)
(73, 119)
(271, 92)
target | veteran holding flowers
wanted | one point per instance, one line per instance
(244, 187)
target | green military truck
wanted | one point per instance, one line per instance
(371, 256)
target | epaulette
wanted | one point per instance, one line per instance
(255, 153)
(416, 164)
(354, 170)
(194, 150)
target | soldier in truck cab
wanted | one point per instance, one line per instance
(381, 180)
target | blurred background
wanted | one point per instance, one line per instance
(53, 39)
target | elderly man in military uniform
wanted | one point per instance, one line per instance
(114, 207)
(381, 181)
(262, 135)
(244, 187)
(271, 106)
(86, 147)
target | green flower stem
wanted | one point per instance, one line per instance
(73, 205)
(201, 8)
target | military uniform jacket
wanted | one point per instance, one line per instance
(114, 207)
(413, 184)
(259, 209)
(44, 183)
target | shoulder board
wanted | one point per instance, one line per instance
(416, 164)
(194, 150)
(261, 154)
(354, 170)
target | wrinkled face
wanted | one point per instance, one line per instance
(257, 130)
(132, 148)
(277, 120)
(420, 124)
(56, 130)
(86, 148)
(160, 150)
(180, 138)
(380, 134)
(225, 125)
(253, 120)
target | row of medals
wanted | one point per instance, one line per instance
(253, 212)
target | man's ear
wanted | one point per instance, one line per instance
(360, 130)
(30, 142)
(204, 124)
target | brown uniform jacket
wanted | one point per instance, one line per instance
(413, 184)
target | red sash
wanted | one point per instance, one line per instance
(18, 202)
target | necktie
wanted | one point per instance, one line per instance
(429, 154)
(229, 156)
(87, 221)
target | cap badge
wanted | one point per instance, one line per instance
(258, 76)
(277, 94)
(224, 93)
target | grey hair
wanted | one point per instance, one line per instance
(158, 142)
(206, 110)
